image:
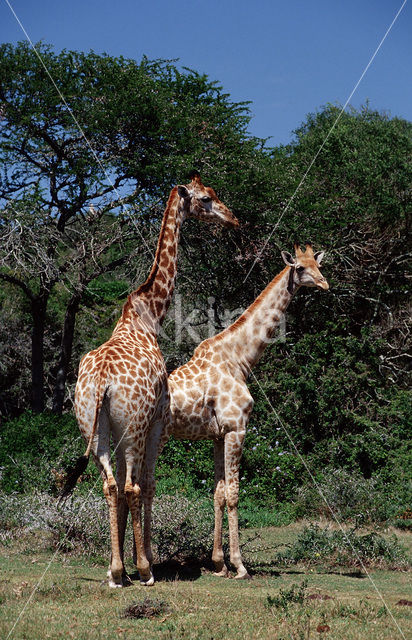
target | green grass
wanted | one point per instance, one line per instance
(72, 599)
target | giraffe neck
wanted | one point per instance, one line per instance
(246, 339)
(151, 300)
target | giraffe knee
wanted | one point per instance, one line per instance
(133, 495)
(109, 487)
(219, 495)
(233, 503)
(112, 485)
(132, 489)
(220, 500)
(232, 498)
(232, 492)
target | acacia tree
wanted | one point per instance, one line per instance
(70, 152)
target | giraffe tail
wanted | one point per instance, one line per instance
(72, 476)
(74, 473)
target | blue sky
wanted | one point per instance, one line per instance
(287, 57)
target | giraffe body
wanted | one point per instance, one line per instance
(122, 393)
(209, 397)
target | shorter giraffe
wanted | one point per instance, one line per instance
(210, 398)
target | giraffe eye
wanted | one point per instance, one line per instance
(206, 199)
(299, 269)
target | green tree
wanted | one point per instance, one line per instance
(340, 379)
(86, 159)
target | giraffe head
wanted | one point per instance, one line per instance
(202, 202)
(305, 268)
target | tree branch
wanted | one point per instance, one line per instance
(18, 283)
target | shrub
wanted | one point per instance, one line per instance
(182, 528)
(317, 546)
(35, 449)
(344, 495)
(78, 525)
(294, 595)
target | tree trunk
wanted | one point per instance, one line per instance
(66, 346)
(38, 311)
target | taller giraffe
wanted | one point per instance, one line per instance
(121, 390)
(209, 397)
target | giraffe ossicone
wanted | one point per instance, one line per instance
(209, 397)
(122, 395)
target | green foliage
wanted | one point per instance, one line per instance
(186, 466)
(286, 597)
(182, 529)
(362, 172)
(345, 495)
(349, 428)
(317, 546)
(35, 450)
(257, 513)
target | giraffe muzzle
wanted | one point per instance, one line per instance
(322, 284)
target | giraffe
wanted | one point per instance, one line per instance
(121, 391)
(209, 397)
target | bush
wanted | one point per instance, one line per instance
(76, 525)
(345, 496)
(317, 546)
(186, 466)
(294, 595)
(182, 529)
(35, 450)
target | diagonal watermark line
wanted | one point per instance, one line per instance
(78, 125)
(324, 141)
(322, 495)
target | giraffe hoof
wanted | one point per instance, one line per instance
(114, 582)
(243, 576)
(224, 573)
(115, 585)
(149, 582)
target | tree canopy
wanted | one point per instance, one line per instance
(89, 149)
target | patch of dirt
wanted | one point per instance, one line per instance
(147, 608)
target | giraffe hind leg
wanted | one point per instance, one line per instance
(133, 496)
(116, 571)
(116, 564)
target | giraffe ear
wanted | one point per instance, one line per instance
(288, 259)
(319, 256)
(183, 191)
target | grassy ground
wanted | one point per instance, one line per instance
(73, 601)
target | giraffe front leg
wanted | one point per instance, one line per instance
(219, 503)
(233, 453)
